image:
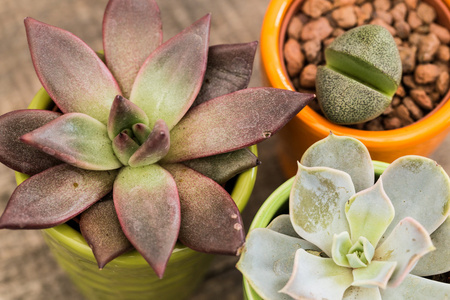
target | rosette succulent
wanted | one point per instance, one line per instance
(348, 238)
(143, 132)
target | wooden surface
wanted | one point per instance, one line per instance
(27, 269)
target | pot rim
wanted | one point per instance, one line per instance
(434, 123)
(75, 241)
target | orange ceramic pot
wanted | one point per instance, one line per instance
(420, 138)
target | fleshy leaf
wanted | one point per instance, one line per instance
(317, 278)
(317, 204)
(229, 70)
(54, 196)
(406, 244)
(376, 274)
(154, 148)
(76, 139)
(141, 132)
(124, 114)
(341, 153)
(358, 293)
(233, 121)
(417, 288)
(18, 155)
(369, 213)
(101, 229)
(131, 31)
(412, 181)
(267, 260)
(211, 221)
(170, 79)
(436, 262)
(72, 74)
(148, 209)
(340, 247)
(223, 167)
(282, 224)
(124, 147)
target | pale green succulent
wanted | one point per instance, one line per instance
(347, 238)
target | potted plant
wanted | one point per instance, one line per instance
(421, 137)
(146, 172)
(352, 240)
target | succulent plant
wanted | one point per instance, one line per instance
(139, 133)
(363, 70)
(347, 238)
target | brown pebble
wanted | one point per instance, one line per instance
(344, 16)
(316, 29)
(423, 29)
(413, 20)
(426, 73)
(383, 15)
(328, 41)
(403, 29)
(396, 101)
(374, 125)
(441, 32)
(383, 5)
(426, 13)
(403, 114)
(435, 97)
(400, 91)
(312, 49)
(421, 99)
(408, 58)
(295, 28)
(408, 81)
(442, 83)
(380, 22)
(388, 111)
(398, 41)
(338, 3)
(428, 46)
(293, 56)
(443, 53)
(308, 76)
(398, 12)
(415, 112)
(316, 8)
(414, 38)
(337, 32)
(411, 4)
(392, 123)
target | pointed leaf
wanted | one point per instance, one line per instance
(100, 227)
(406, 244)
(76, 139)
(170, 79)
(223, 167)
(124, 147)
(229, 70)
(267, 260)
(148, 208)
(376, 274)
(211, 221)
(18, 155)
(282, 224)
(341, 153)
(317, 204)
(72, 74)
(123, 115)
(417, 288)
(141, 132)
(54, 196)
(154, 148)
(358, 293)
(317, 278)
(340, 248)
(233, 121)
(369, 213)
(131, 31)
(436, 262)
(419, 188)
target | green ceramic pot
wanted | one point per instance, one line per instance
(129, 276)
(276, 204)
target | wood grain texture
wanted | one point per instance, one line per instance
(27, 269)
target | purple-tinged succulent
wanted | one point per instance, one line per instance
(140, 137)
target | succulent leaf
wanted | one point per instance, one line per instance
(223, 167)
(234, 121)
(73, 75)
(436, 262)
(417, 288)
(141, 132)
(124, 147)
(317, 278)
(369, 213)
(406, 244)
(170, 79)
(211, 221)
(54, 196)
(376, 274)
(154, 148)
(148, 209)
(18, 155)
(101, 229)
(267, 261)
(76, 139)
(131, 31)
(341, 152)
(282, 224)
(124, 114)
(229, 70)
(340, 247)
(421, 181)
(317, 204)
(358, 293)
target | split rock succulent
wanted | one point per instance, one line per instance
(139, 133)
